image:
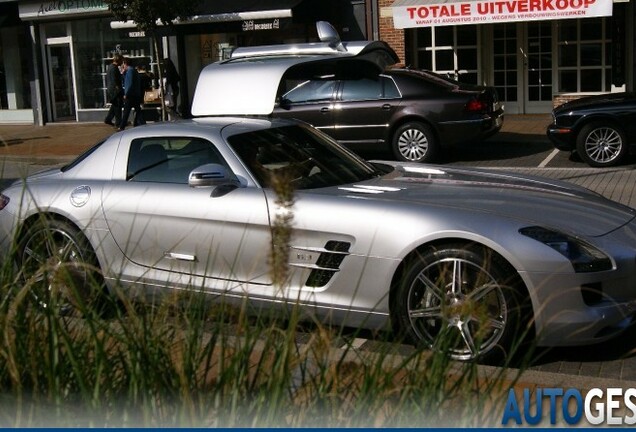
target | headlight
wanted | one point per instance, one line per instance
(583, 256)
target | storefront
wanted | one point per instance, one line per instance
(71, 43)
(16, 68)
(537, 53)
(75, 44)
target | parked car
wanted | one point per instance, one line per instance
(350, 91)
(457, 259)
(600, 128)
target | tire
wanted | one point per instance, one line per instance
(415, 142)
(476, 316)
(59, 266)
(601, 145)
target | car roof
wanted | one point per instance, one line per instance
(248, 82)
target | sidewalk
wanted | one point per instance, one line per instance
(65, 140)
(55, 141)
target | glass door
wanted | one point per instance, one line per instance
(61, 82)
(506, 66)
(538, 66)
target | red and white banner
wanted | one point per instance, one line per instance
(406, 15)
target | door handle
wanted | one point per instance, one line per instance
(386, 107)
(325, 109)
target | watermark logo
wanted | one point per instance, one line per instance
(612, 406)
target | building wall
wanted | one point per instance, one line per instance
(394, 37)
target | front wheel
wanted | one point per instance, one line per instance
(415, 142)
(462, 300)
(601, 144)
(60, 268)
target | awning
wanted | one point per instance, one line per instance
(214, 11)
(430, 13)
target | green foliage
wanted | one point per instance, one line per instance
(146, 13)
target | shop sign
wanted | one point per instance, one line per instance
(251, 25)
(494, 11)
(59, 8)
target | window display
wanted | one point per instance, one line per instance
(95, 44)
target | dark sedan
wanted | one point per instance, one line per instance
(600, 128)
(414, 112)
(351, 91)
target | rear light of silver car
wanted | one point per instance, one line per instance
(4, 200)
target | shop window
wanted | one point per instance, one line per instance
(448, 50)
(94, 44)
(584, 55)
(568, 81)
(591, 80)
(15, 88)
(567, 55)
(444, 60)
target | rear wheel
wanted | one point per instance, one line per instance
(462, 300)
(601, 145)
(60, 268)
(415, 142)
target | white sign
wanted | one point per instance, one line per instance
(494, 11)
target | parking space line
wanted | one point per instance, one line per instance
(548, 159)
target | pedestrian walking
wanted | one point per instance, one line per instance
(172, 79)
(132, 95)
(114, 92)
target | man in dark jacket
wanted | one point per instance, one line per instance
(132, 95)
(114, 91)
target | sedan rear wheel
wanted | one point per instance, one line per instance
(462, 300)
(60, 268)
(601, 145)
(414, 142)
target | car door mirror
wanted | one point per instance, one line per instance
(283, 103)
(212, 175)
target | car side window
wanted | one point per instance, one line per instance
(369, 89)
(390, 89)
(311, 91)
(169, 159)
(361, 89)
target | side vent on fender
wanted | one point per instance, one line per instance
(327, 263)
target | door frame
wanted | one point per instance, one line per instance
(527, 106)
(65, 41)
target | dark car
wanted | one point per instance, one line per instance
(600, 128)
(414, 111)
(351, 91)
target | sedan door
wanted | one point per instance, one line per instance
(161, 223)
(311, 101)
(364, 108)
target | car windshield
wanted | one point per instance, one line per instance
(307, 158)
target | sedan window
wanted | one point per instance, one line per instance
(361, 89)
(311, 91)
(369, 89)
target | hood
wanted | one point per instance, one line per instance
(532, 200)
(596, 100)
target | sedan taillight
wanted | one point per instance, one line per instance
(4, 200)
(476, 105)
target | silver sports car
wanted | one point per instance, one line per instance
(430, 251)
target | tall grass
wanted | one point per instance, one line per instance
(188, 361)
